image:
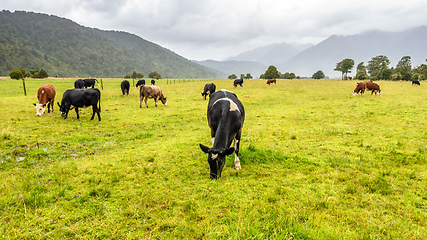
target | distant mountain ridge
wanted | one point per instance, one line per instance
(325, 55)
(64, 48)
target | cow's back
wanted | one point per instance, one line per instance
(46, 93)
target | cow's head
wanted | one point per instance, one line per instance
(164, 100)
(40, 108)
(216, 159)
(64, 108)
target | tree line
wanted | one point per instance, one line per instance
(378, 69)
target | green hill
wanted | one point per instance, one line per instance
(64, 48)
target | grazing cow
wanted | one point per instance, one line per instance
(225, 118)
(125, 85)
(238, 82)
(153, 82)
(89, 82)
(416, 82)
(374, 87)
(269, 81)
(140, 83)
(208, 90)
(79, 98)
(155, 92)
(79, 83)
(360, 88)
(46, 96)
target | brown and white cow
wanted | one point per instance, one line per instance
(46, 96)
(147, 91)
(360, 88)
(269, 81)
(374, 87)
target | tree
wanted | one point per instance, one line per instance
(386, 74)
(232, 76)
(361, 67)
(318, 75)
(39, 74)
(155, 75)
(361, 75)
(292, 76)
(345, 67)
(404, 68)
(376, 65)
(271, 73)
(248, 76)
(19, 74)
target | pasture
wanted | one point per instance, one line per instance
(317, 163)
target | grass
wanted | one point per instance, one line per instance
(317, 163)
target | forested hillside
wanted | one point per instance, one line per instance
(64, 48)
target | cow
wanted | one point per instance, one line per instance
(153, 82)
(79, 83)
(360, 88)
(225, 116)
(374, 87)
(416, 82)
(140, 83)
(79, 98)
(269, 81)
(89, 82)
(208, 90)
(125, 85)
(238, 82)
(46, 96)
(147, 91)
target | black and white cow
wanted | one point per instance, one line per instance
(79, 98)
(225, 118)
(79, 83)
(153, 82)
(89, 82)
(208, 90)
(125, 85)
(238, 82)
(140, 82)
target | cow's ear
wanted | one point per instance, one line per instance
(229, 151)
(204, 148)
(58, 104)
(35, 104)
(44, 105)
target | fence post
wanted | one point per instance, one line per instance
(102, 85)
(23, 84)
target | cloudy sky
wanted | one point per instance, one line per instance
(217, 29)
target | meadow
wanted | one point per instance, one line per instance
(317, 163)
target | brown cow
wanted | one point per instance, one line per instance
(46, 96)
(269, 81)
(155, 92)
(360, 87)
(374, 87)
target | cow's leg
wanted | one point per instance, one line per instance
(97, 111)
(236, 150)
(93, 111)
(51, 104)
(155, 101)
(77, 112)
(146, 99)
(140, 101)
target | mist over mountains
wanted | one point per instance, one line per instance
(307, 60)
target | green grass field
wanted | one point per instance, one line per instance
(317, 163)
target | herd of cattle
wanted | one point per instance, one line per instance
(225, 113)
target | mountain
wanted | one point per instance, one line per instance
(271, 54)
(236, 67)
(361, 48)
(64, 48)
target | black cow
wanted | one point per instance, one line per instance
(208, 90)
(89, 82)
(79, 83)
(238, 82)
(79, 98)
(125, 85)
(153, 82)
(416, 82)
(225, 118)
(140, 83)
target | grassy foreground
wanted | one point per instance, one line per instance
(317, 163)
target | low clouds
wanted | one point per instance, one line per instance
(217, 29)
